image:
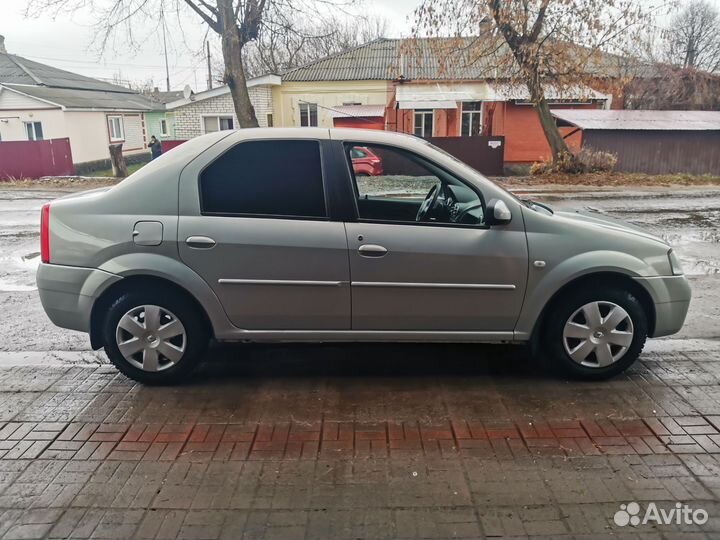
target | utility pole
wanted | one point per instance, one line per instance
(167, 68)
(209, 83)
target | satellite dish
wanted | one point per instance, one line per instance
(187, 91)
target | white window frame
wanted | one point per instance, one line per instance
(424, 113)
(164, 127)
(308, 109)
(31, 130)
(120, 125)
(471, 114)
(218, 117)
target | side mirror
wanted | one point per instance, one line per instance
(497, 213)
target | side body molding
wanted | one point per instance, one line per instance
(175, 271)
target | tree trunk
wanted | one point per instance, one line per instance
(234, 70)
(558, 147)
(119, 167)
(552, 133)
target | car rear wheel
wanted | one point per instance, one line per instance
(154, 337)
(595, 334)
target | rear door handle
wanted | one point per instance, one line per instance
(200, 242)
(372, 250)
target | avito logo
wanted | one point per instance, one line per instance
(680, 514)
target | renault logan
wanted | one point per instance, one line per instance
(272, 235)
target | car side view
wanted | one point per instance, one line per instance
(274, 234)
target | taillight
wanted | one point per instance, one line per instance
(45, 233)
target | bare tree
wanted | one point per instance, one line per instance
(535, 43)
(236, 22)
(693, 38)
(306, 41)
(673, 87)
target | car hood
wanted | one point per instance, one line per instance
(607, 222)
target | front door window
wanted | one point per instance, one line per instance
(396, 185)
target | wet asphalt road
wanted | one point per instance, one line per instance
(689, 219)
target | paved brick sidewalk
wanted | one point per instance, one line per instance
(322, 442)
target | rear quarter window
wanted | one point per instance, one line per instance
(265, 178)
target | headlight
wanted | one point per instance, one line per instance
(675, 264)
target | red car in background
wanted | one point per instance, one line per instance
(364, 162)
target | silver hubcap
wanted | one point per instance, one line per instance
(151, 338)
(598, 334)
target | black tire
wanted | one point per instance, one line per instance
(557, 358)
(196, 334)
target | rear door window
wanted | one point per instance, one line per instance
(275, 178)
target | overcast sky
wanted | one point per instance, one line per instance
(66, 42)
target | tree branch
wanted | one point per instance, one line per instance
(212, 23)
(539, 21)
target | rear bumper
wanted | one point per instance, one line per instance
(67, 293)
(671, 296)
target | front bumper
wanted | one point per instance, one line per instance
(67, 293)
(671, 296)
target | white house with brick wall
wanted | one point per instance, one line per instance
(213, 110)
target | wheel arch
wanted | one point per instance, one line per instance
(134, 283)
(595, 279)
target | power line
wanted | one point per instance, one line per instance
(96, 64)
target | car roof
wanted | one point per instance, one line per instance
(366, 136)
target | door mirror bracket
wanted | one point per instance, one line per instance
(498, 213)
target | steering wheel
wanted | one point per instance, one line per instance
(466, 211)
(429, 203)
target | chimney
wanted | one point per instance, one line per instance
(2, 45)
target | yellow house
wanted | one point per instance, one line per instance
(318, 102)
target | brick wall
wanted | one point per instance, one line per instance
(189, 118)
(524, 138)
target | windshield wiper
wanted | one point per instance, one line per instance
(531, 204)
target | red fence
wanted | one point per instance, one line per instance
(33, 159)
(169, 145)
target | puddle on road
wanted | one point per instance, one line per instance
(691, 226)
(698, 250)
(19, 259)
(17, 273)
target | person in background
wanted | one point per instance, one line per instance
(155, 148)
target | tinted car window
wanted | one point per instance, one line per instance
(277, 178)
(392, 183)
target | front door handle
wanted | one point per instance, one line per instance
(372, 250)
(200, 242)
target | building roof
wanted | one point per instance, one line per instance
(165, 97)
(72, 98)
(456, 58)
(67, 89)
(595, 119)
(357, 111)
(263, 80)
(18, 70)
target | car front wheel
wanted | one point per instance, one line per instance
(596, 334)
(154, 337)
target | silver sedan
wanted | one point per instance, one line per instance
(278, 235)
